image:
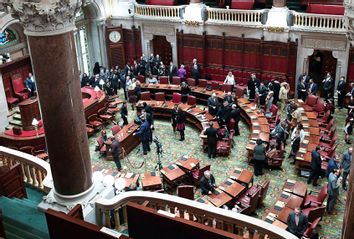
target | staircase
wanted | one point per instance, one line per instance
(22, 219)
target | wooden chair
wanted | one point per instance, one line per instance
(215, 85)
(320, 107)
(191, 82)
(202, 83)
(89, 130)
(327, 137)
(186, 191)
(164, 80)
(327, 146)
(19, 87)
(160, 96)
(316, 200)
(11, 182)
(191, 100)
(104, 115)
(311, 100)
(176, 98)
(10, 99)
(251, 198)
(115, 129)
(324, 120)
(42, 154)
(101, 145)
(200, 174)
(223, 146)
(313, 213)
(94, 121)
(145, 95)
(327, 127)
(226, 88)
(176, 80)
(313, 225)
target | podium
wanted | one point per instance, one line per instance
(29, 109)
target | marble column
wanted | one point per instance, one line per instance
(49, 29)
(4, 111)
(348, 221)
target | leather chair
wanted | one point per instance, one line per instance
(94, 121)
(313, 225)
(145, 95)
(104, 116)
(327, 127)
(176, 98)
(226, 88)
(202, 83)
(176, 80)
(215, 85)
(313, 213)
(101, 145)
(311, 100)
(330, 153)
(264, 189)
(164, 80)
(191, 100)
(160, 96)
(320, 107)
(240, 93)
(277, 161)
(9, 99)
(89, 130)
(111, 109)
(316, 200)
(277, 121)
(251, 198)
(200, 174)
(17, 130)
(42, 154)
(115, 129)
(19, 87)
(223, 146)
(141, 78)
(274, 111)
(324, 120)
(191, 82)
(327, 146)
(327, 137)
(186, 191)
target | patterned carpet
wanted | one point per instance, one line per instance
(173, 149)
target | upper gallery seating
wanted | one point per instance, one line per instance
(325, 9)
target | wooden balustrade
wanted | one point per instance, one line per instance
(252, 17)
(168, 12)
(36, 172)
(318, 21)
(108, 211)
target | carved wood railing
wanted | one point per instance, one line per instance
(113, 212)
(248, 17)
(165, 12)
(36, 172)
(318, 22)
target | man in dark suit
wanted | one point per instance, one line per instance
(172, 70)
(124, 113)
(301, 90)
(327, 86)
(211, 134)
(252, 84)
(341, 92)
(195, 71)
(304, 77)
(115, 149)
(213, 104)
(144, 134)
(236, 115)
(207, 183)
(30, 84)
(312, 89)
(316, 162)
(297, 223)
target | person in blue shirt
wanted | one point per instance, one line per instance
(144, 135)
(346, 162)
(333, 164)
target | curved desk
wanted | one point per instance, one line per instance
(92, 102)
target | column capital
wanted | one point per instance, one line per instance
(43, 17)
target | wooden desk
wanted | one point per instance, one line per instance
(151, 181)
(242, 176)
(234, 189)
(218, 198)
(292, 201)
(172, 174)
(29, 110)
(294, 187)
(131, 179)
(280, 224)
(284, 214)
(311, 115)
(187, 164)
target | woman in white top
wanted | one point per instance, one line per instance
(299, 127)
(230, 79)
(283, 94)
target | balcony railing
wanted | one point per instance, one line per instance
(164, 12)
(318, 22)
(36, 172)
(248, 17)
(115, 209)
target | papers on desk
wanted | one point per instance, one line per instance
(306, 141)
(287, 190)
(306, 126)
(178, 163)
(300, 158)
(290, 182)
(302, 150)
(307, 133)
(285, 195)
(279, 205)
(256, 131)
(221, 188)
(163, 171)
(192, 165)
(270, 219)
(253, 117)
(237, 170)
(300, 101)
(255, 123)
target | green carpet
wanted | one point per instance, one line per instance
(173, 149)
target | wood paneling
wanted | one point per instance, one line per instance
(116, 52)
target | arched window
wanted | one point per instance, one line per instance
(83, 57)
(7, 37)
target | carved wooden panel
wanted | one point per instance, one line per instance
(116, 52)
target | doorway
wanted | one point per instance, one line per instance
(320, 63)
(163, 48)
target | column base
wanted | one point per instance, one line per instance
(194, 12)
(87, 200)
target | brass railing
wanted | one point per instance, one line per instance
(166, 12)
(318, 21)
(113, 211)
(249, 17)
(36, 172)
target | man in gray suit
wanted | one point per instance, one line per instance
(333, 190)
(346, 162)
(297, 223)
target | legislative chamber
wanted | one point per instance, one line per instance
(177, 119)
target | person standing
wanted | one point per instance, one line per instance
(182, 73)
(124, 113)
(207, 183)
(327, 86)
(312, 89)
(211, 134)
(30, 84)
(341, 92)
(297, 223)
(230, 80)
(259, 156)
(346, 163)
(316, 162)
(236, 116)
(301, 90)
(333, 190)
(172, 70)
(174, 117)
(295, 144)
(181, 119)
(213, 104)
(195, 71)
(144, 134)
(115, 149)
(252, 84)
(283, 95)
(333, 163)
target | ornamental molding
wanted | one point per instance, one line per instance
(324, 44)
(43, 17)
